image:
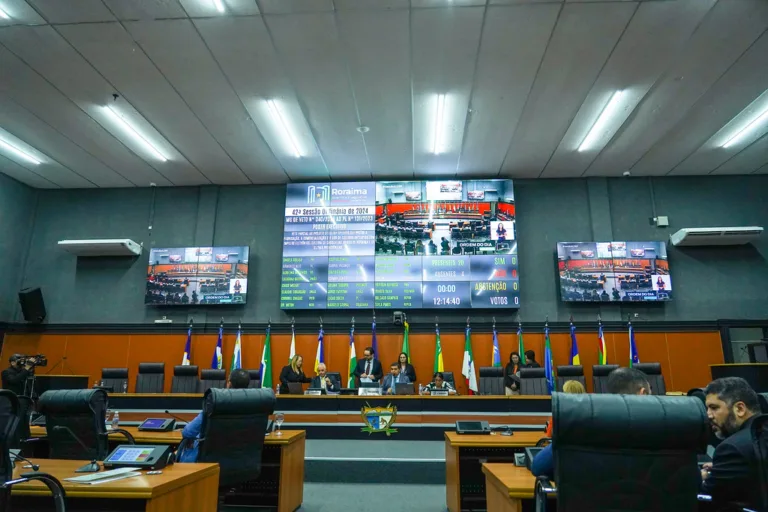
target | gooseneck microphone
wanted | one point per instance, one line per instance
(35, 467)
(93, 466)
(177, 418)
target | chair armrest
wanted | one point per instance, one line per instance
(53, 484)
(544, 441)
(544, 489)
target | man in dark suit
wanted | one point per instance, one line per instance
(732, 476)
(368, 367)
(394, 378)
(324, 381)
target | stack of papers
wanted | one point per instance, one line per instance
(105, 476)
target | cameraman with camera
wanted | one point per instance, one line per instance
(15, 376)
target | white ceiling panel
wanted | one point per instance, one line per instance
(20, 13)
(378, 52)
(657, 32)
(36, 133)
(24, 175)
(58, 71)
(145, 9)
(762, 170)
(750, 159)
(728, 30)
(294, 6)
(244, 51)
(445, 46)
(316, 66)
(183, 58)
(112, 51)
(583, 39)
(204, 8)
(744, 81)
(416, 4)
(73, 11)
(513, 43)
(371, 4)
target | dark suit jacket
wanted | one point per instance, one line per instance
(378, 373)
(335, 386)
(410, 371)
(734, 475)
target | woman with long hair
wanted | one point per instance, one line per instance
(292, 373)
(512, 375)
(406, 368)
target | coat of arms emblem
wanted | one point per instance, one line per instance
(379, 419)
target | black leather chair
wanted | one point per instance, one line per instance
(115, 378)
(759, 431)
(210, 378)
(185, 379)
(569, 372)
(491, 380)
(255, 376)
(9, 422)
(625, 452)
(763, 399)
(448, 377)
(151, 378)
(232, 432)
(655, 378)
(600, 374)
(337, 377)
(533, 381)
(82, 411)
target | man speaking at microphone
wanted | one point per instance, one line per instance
(324, 381)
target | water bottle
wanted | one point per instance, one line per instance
(277, 390)
(125, 387)
(116, 420)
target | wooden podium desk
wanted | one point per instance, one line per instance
(506, 486)
(188, 487)
(465, 486)
(282, 462)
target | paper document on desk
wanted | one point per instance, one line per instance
(101, 475)
(105, 480)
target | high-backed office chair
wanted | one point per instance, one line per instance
(337, 377)
(533, 381)
(210, 378)
(448, 377)
(82, 411)
(21, 433)
(569, 372)
(491, 380)
(151, 378)
(9, 421)
(255, 376)
(232, 432)
(115, 378)
(600, 377)
(763, 399)
(759, 431)
(625, 452)
(184, 379)
(655, 378)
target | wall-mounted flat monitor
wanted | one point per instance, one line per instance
(400, 244)
(613, 272)
(189, 276)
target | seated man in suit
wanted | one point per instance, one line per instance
(368, 369)
(621, 381)
(733, 475)
(188, 449)
(323, 381)
(394, 377)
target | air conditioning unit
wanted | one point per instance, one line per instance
(112, 247)
(716, 236)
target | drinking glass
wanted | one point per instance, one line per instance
(279, 417)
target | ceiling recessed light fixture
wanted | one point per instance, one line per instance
(599, 128)
(437, 143)
(756, 123)
(219, 5)
(18, 152)
(289, 140)
(4, 15)
(133, 132)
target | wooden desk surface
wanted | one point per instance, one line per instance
(140, 487)
(518, 481)
(518, 439)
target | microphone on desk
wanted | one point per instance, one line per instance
(178, 418)
(35, 467)
(93, 467)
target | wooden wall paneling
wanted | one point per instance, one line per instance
(87, 354)
(690, 355)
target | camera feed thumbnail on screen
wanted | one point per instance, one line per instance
(197, 275)
(440, 218)
(613, 271)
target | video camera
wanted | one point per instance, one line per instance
(37, 360)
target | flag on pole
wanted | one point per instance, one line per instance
(187, 347)
(602, 357)
(237, 354)
(468, 368)
(520, 345)
(634, 358)
(373, 340)
(319, 357)
(439, 367)
(352, 357)
(496, 352)
(216, 362)
(293, 343)
(406, 348)
(548, 370)
(266, 361)
(575, 360)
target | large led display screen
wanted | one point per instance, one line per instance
(400, 244)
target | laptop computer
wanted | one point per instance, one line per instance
(530, 453)
(401, 388)
(294, 388)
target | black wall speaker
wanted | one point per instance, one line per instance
(32, 305)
